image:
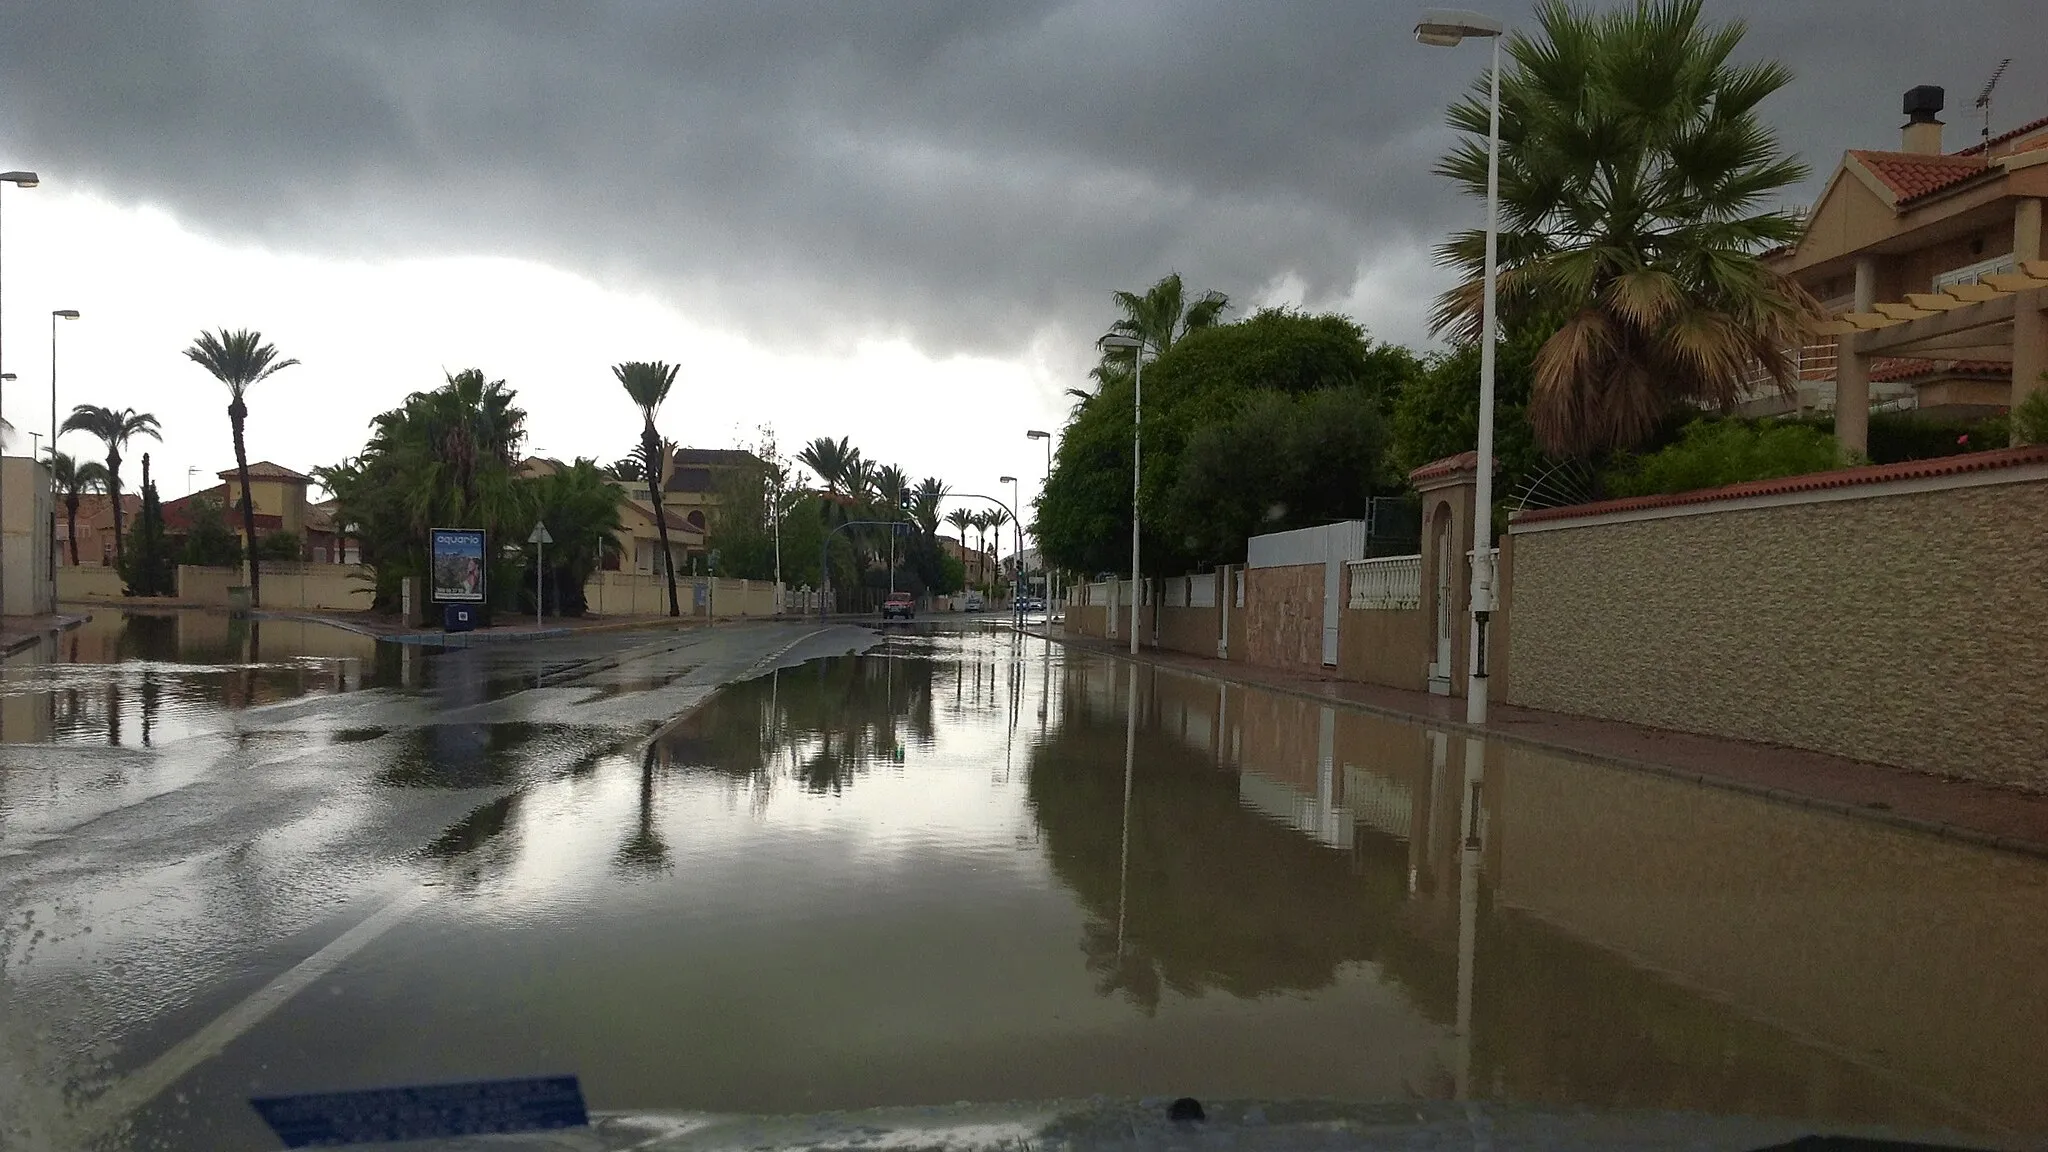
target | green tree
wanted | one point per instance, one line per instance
(240, 360)
(1634, 174)
(280, 546)
(209, 542)
(1281, 461)
(1711, 453)
(1084, 517)
(146, 568)
(114, 428)
(580, 508)
(74, 479)
(2030, 417)
(647, 384)
(444, 458)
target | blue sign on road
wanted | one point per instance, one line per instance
(424, 1112)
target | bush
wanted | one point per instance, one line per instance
(1894, 437)
(209, 542)
(279, 546)
(1711, 453)
(2030, 419)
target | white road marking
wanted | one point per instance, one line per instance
(165, 1070)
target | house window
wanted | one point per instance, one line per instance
(1972, 273)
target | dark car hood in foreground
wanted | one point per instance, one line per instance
(1096, 1124)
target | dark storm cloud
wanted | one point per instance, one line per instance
(970, 175)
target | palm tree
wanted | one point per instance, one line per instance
(238, 359)
(647, 384)
(74, 479)
(961, 520)
(924, 503)
(995, 518)
(1159, 319)
(1634, 174)
(114, 429)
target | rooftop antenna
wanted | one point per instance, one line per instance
(1984, 106)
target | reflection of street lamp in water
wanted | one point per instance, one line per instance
(1123, 858)
(1468, 910)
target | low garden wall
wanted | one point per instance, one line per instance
(86, 584)
(1889, 613)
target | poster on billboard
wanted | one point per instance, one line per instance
(457, 560)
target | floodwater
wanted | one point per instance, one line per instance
(974, 866)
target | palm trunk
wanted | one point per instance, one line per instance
(650, 447)
(237, 413)
(71, 523)
(114, 493)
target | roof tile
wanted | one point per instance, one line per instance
(1463, 461)
(1893, 369)
(1810, 482)
(2003, 137)
(1912, 175)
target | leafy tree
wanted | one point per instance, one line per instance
(1711, 453)
(1437, 414)
(443, 459)
(1084, 518)
(74, 479)
(580, 508)
(114, 429)
(209, 542)
(647, 383)
(1634, 174)
(146, 568)
(239, 360)
(1157, 319)
(1280, 462)
(280, 546)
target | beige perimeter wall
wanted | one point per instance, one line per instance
(1283, 617)
(1909, 628)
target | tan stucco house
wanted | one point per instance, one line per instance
(1929, 264)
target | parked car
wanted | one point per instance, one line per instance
(1033, 604)
(899, 606)
(974, 602)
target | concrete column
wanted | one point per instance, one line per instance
(2026, 229)
(1852, 371)
(2029, 323)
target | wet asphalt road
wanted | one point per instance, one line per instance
(176, 833)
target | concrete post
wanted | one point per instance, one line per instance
(1852, 371)
(2029, 323)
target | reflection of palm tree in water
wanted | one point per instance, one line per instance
(644, 849)
(150, 691)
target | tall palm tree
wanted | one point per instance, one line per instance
(114, 429)
(1158, 319)
(995, 518)
(74, 479)
(647, 383)
(1634, 179)
(239, 359)
(961, 520)
(924, 503)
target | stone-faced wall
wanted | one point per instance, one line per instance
(1283, 617)
(1903, 621)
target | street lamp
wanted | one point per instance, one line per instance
(20, 180)
(1017, 552)
(1035, 434)
(55, 315)
(1137, 350)
(1446, 29)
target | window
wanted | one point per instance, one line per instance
(1972, 273)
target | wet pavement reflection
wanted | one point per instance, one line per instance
(965, 866)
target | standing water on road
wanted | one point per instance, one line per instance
(973, 866)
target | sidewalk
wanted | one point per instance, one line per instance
(1984, 814)
(18, 632)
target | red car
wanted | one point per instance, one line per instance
(899, 606)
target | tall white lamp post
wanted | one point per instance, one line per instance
(1136, 348)
(1446, 28)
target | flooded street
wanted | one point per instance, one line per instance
(953, 865)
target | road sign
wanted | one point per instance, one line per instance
(539, 535)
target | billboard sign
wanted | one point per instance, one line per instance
(456, 557)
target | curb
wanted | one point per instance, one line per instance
(29, 639)
(1938, 828)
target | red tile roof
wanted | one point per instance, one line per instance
(1912, 175)
(1811, 482)
(1892, 369)
(1995, 141)
(1462, 462)
(265, 470)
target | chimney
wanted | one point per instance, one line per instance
(1922, 132)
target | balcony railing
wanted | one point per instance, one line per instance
(1388, 583)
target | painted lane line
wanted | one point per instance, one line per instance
(145, 1085)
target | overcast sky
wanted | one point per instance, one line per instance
(897, 221)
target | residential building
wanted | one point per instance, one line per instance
(980, 566)
(1929, 264)
(637, 543)
(95, 527)
(278, 497)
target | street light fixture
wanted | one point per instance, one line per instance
(1035, 434)
(1136, 347)
(1016, 552)
(1446, 28)
(19, 179)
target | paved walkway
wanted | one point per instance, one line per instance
(1981, 813)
